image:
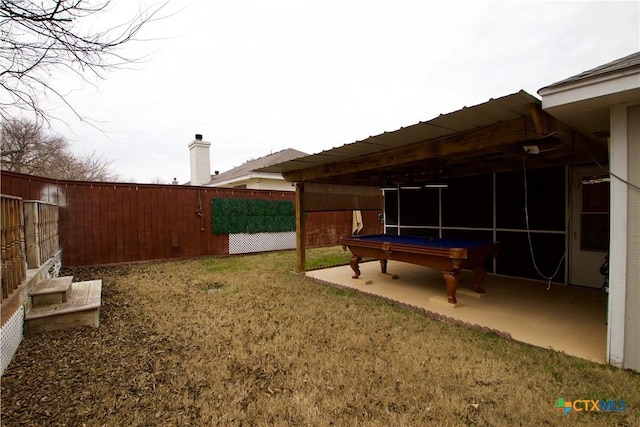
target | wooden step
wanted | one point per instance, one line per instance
(53, 290)
(82, 308)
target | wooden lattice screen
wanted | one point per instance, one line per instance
(41, 229)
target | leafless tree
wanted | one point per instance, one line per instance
(88, 168)
(38, 36)
(158, 180)
(26, 149)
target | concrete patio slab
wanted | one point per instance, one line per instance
(568, 319)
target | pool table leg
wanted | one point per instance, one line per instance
(479, 274)
(355, 260)
(451, 277)
(383, 266)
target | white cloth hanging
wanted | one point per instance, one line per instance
(357, 224)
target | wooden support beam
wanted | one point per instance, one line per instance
(336, 197)
(301, 231)
(547, 125)
(542, 121)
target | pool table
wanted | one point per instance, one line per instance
(447, 255)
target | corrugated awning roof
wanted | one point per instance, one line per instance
(485, 138)
(502, 109)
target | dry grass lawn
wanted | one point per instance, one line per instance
(243, 341)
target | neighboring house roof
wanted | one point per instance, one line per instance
(249, 168)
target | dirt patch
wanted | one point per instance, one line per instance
(243, 341)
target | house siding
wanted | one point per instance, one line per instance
(632, 318)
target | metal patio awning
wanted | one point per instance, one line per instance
(485, 138)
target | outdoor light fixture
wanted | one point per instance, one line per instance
(438, 179)
(410, 186)
(415, 181)
(389, 186)
(436, 185)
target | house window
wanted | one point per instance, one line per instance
(594, 216)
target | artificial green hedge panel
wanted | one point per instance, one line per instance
(251, 216)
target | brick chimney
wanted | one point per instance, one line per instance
(200, 161)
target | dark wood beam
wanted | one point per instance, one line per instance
(542, 121)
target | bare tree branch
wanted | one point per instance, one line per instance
(38, 36)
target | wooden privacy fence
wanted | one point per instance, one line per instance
(14, 268)
(108, 223)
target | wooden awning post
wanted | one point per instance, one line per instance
(301, 231)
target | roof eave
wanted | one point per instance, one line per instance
(247, 177)
(590, 87)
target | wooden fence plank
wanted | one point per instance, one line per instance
(141, 223)
(165, 203)
(134, 240)
(103, 212)
(120, 223)
(148, 222)
(87, 224)
(110, 226)
(73, 242)
(80, 217)
(127, 233)
(174, 224)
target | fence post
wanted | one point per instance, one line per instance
(32, 234)
(301, 229)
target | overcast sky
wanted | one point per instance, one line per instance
(255, 77)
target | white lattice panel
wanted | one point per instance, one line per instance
(10, 338)
(261, 242)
